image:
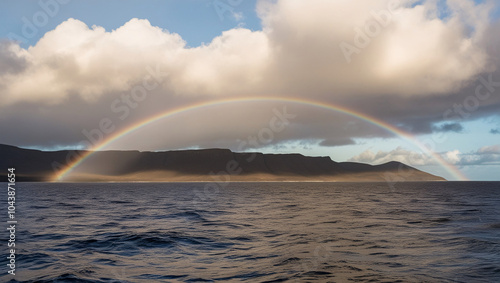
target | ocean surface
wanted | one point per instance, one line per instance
(255, 232)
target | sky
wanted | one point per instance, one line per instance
(75, 73)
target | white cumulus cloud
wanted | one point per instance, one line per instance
(486, 155)
(409, 49)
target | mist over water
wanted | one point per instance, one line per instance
(256, 232)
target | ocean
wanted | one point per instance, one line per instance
(255, 232)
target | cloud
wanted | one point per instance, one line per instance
(495, 131)
(88, 62)
(237, 16)
(399, 154)
(494, 149)
(418, 66)
(449, 127)
(74, 59)
(337, 142)
(486, 155)
(415, 53)
(12, 60)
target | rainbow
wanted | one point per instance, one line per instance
(171, 112)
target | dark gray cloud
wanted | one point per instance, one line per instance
(337, 142)
(449, 127)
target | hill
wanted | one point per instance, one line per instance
(198, 165)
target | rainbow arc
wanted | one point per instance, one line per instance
(332, 107)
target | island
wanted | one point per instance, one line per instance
(204, 165)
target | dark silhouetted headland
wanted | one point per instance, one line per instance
(207, 165)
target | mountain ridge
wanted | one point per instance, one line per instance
(204, 165)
